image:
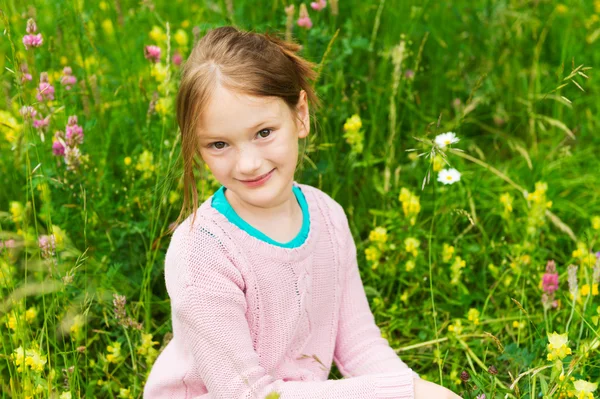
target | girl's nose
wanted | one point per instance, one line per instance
(248, 163)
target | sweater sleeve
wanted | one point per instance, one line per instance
(360, 349)
(209, 313)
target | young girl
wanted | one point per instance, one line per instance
(263, 279)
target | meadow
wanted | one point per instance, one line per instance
(461, 138)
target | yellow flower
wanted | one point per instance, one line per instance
(30, 357)
(596, 222)
(9, 126)
(65, 395)
(353, 123)
(518, 324)
(181, 37)
(456, 269)
(404, 297)
(173, 197)
(76, 328)
(457, 327)
(115, 352)
(597, 6)
(557, 346)
(378, 235)
(103, 6)
(145, 164)
(125, 393)
(31, 314)
(159, 72)
(561, 9)
(473, 315)
(147, 348)
(163, 106)
(16, 211)
(438, 163)
(107, 27)
(585, 290)
(157, 34)
(410, 265)
(12, 322)
(507, 200)
(372, 254)
(411, 246)
(127, 161)
(447, 253)
(185, 23)
(584, 389)
(411, 205)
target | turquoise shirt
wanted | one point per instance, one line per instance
(220, 203)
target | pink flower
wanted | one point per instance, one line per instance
(318, 5)
(409, 74)
(32, 41)
(28, 112)
(31, 26)
(304, 20)
(41, 123)
(47, 245)
(74, 132)
(45, 89)
(58, 148)
(8, 243)
(177, 58)
(72, 157)
(550, 278)
(25, 73)
(152, 53)
(68, 80)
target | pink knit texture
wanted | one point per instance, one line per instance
(251, 318)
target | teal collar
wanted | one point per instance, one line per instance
(220, 203)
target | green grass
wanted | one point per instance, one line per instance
(486, 70)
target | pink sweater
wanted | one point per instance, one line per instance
(251, 318)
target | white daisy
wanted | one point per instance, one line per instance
(449, 176)
(444, 139)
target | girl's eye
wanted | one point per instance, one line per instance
(264, 133)
(219, 145)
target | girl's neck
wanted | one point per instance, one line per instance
(280, 222)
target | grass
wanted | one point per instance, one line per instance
(513, 80)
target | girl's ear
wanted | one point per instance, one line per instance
(303, 115)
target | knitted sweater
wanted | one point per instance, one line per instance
(251, 318)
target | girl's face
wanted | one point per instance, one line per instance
(244, 138)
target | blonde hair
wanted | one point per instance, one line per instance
(260, 65)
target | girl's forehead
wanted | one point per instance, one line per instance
(229, 111)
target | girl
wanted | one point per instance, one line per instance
(263, 279)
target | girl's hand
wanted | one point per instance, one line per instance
(429, 390)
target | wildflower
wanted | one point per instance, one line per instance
(456, 269)
(438, 163)
(76, 329)
(115, 352)
(372, 254)
(65, 395)
(12, 321)
(163, 105)
(353, 135)
(45, 89)
(145, 164)
(107, 27)
(28, 112)
(173, 197)
(157, 34)
(159, 72)
(58, 145)
(127, 161)
(596, 222)
(518, 324)
(177, 58)
(561, 9)
(411, 246)
(410, 265)
(557, 346)
(119, 302)
(31, 39)
(473, 315)
(304, 20)
(457, 327)
(507, 200)
(16, 211)
(411, 205)
(464, 376)
(447, 253)
(550, 278)
(318, 5)
(125, 393)
(378, 235)
(449, 176)
(31, 314)
(444, 139)
(47, 245)
(25, 75)
(584, 389)
(181, 38)
(147, 349)
(481, 396)
(585, 290)
(68, 80)
(74, 132)
(152, 53)
(41, 123)
(409, 74)
(573, 289)
(29, 357)
(72, 158)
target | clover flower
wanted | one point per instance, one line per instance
(445, 139)
(318, 5)
(557, 346)
(32, 39)
(47, 245)
(304, 20)
(152, 53)
(449, 176)
(45, 91)
(550, 278)
(41, 123)
(68, 80)
(58, 145)
(73, 132)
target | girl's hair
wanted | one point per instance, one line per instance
(249, 63)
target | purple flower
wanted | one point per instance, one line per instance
(31, 39)
(152, 53)
(58, 148)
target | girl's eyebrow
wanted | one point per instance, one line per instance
(216, 137)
